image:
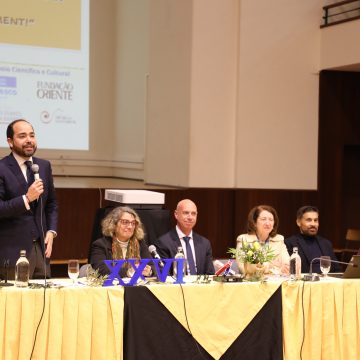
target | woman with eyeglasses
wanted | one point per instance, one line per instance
(123, 239)
(262, 226)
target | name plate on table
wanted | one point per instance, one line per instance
(139, 266)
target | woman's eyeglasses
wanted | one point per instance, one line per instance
(128, 222)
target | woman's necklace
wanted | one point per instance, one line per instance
(266, 241)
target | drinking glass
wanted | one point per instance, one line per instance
(73, 269)
(325, 264)
(276, 267)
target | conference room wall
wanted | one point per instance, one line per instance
(192, 88)
(239, 128)
(277, 122)
(131, 74)
(337, 46)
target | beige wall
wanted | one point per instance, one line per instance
(339, 46)
(131, 73)
(277, 124)
(168, 117)
(253, 94)
(192, 93)
(213, 93)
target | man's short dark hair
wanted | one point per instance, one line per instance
(305, 209)
(10, 128)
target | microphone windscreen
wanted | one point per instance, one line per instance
(152, 248)
(35, 168)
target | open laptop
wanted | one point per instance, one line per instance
(352, 270)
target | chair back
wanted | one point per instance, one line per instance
(352, 235)
(352, 244)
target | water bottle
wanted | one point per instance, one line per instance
(22, 270)
(295, 265)
(179, 255)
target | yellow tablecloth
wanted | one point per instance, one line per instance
(78, 323)
(321, 320)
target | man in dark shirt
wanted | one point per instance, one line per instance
(309, 243)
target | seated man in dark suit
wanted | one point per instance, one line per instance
(197, 249)
(309, 243)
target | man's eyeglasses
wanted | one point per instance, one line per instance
(128, 222)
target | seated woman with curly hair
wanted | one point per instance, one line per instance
(123, 239)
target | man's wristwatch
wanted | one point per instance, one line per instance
(54, 233)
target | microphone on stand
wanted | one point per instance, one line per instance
(35, 170)
(6, 267)
(315, 277)
(155, 255)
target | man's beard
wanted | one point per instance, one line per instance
(22, 152)
(309, 232)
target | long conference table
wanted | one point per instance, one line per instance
(276, 319)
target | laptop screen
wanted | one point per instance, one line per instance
(353, 269)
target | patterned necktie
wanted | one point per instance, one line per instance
(189, 255)
(29, 173)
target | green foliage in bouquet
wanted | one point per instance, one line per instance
(253, 253)
(93, 278)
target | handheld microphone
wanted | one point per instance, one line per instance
(155, 255)
(315, 277)
(35, 170)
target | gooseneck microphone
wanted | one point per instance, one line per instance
(155, 255)
(35, 170)
(315, 277)
(6, 269)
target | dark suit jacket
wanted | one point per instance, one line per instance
(16, 222)
(101, 249)
(168, 243)
(325, 248)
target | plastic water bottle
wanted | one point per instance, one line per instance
(179, 255)
(295, 265)
(22, 270)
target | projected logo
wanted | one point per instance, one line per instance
(50, 90)
(58, 116)
(45, 117)
(8, 86)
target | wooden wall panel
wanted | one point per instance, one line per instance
(339, 139)
(222, 215)
(77, 209)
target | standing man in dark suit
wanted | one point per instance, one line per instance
(309, 243)
(28, 207)
(197, 249)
